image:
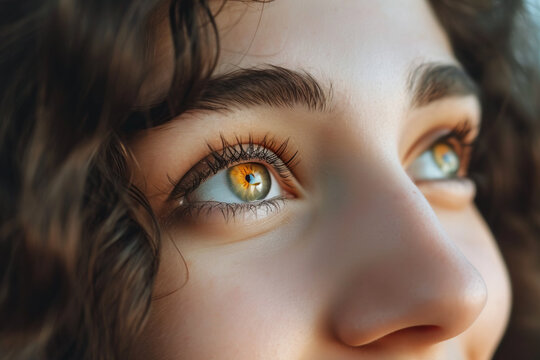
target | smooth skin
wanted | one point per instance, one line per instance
(363, 261)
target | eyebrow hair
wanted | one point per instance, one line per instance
(277, 86)
(272, 86)
(281, 87)
(429, 82)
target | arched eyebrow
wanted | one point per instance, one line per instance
(272, 86)
(430, 82)
(281, 87)
(276, 86)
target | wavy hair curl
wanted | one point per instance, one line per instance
(79, 245)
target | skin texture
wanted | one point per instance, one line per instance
(362, 261)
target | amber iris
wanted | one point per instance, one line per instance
(446, 158)
(249, 181)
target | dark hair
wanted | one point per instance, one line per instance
(79, 245)
(495, 41)
(77, 255)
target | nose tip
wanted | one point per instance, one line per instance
(412, 305)
(416, 287)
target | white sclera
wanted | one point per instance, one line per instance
(216, 188)
(424, 167)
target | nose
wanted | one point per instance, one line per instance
(408, 283)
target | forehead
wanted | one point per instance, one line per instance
(365, 49)
(346, 37)
(351, 45)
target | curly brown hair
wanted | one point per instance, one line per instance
(79, 245)
(495, 41)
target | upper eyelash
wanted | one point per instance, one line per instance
(461, 133)
(268, 150)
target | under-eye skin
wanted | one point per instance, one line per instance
(445, 159)
(240, 177)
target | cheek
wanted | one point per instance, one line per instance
(258, 299)
(201, 321)
(239, 302)
(474, 239)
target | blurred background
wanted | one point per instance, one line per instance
(535, 10)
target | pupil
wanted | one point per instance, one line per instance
(249, 178)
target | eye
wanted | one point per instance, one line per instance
(440, 161)
(250, 180)
(239, 184)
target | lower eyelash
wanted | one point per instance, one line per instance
(228, 210)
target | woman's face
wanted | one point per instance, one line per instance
(323, 212)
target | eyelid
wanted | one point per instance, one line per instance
(465, 132)
(459, 140)
(449, 193)
(274, 154)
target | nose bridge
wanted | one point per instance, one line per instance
(404, 273)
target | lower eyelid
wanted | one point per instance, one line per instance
(448, 193)
(214, 229)
(209, 212)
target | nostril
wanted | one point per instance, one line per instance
(421, 333)
(412, 336)
(421, 330)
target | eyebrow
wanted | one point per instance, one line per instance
(281, 87)
(429, 82)
(272, 86)
(276, 86)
